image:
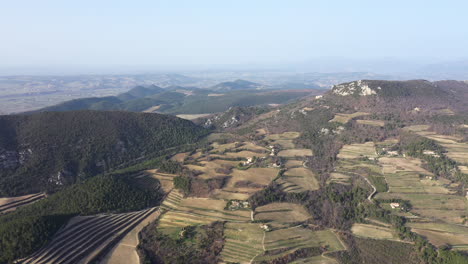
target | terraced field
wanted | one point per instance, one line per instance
(339, 178)
(9, 204)
(295, 153)
(373, 231)
(376, 123)
(125, 252)
(354, 151)
(440, 233)
(285, 140)
(89, 237)
(456, 149)
(299, 180)
(288, 240)
(282, 212)
(196, 211)
(165, 179)
(430, 198)
(344, 118)
(257, 179)
(243, 242)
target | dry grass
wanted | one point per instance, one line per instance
(252, 146)
(373, 231)
(295, 153)
(244, 154)
(125, 251)
(298, 237)
(198, 211)
(192, 117)
(438, 238)
(165, 179)
(222, 147)
(354, 151)
(180, 156)
(282, 213)
(285, 135)
(376, 123)
(209, 167)
(258, 176)
(394, 165)
(293, 163)
(340, 178)
(463, 169)
(299, 180)
(344, 118)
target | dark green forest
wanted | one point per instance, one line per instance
(55, 149)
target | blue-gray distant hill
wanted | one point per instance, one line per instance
(190, 100)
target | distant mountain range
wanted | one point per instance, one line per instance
(189, 100)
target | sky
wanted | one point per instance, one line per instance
(169, 34)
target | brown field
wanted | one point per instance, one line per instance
(340, 178)
(125, 251)
(259, 176)
(199, 211)
(252, 146)
(377, 123)
(180, 156)
(299, 180)
(244, 154)
(285, 135)
(282, 213)
(463, 169)
(285, 140)
(295, 152)
(396, 164)
(209, 167)
(293, 163)
(344, 118)
(192, 117)
(8, 204)
(354, 151)
(223, 147)
(290, 239)
(438, 238)
(416, 128)
(165, 179)
(373, 231)
(285, 143)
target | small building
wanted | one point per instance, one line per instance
(394, 205)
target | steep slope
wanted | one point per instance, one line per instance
(48, 150)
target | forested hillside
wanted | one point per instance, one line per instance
(46, 151)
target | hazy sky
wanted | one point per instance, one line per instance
(46, 33)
